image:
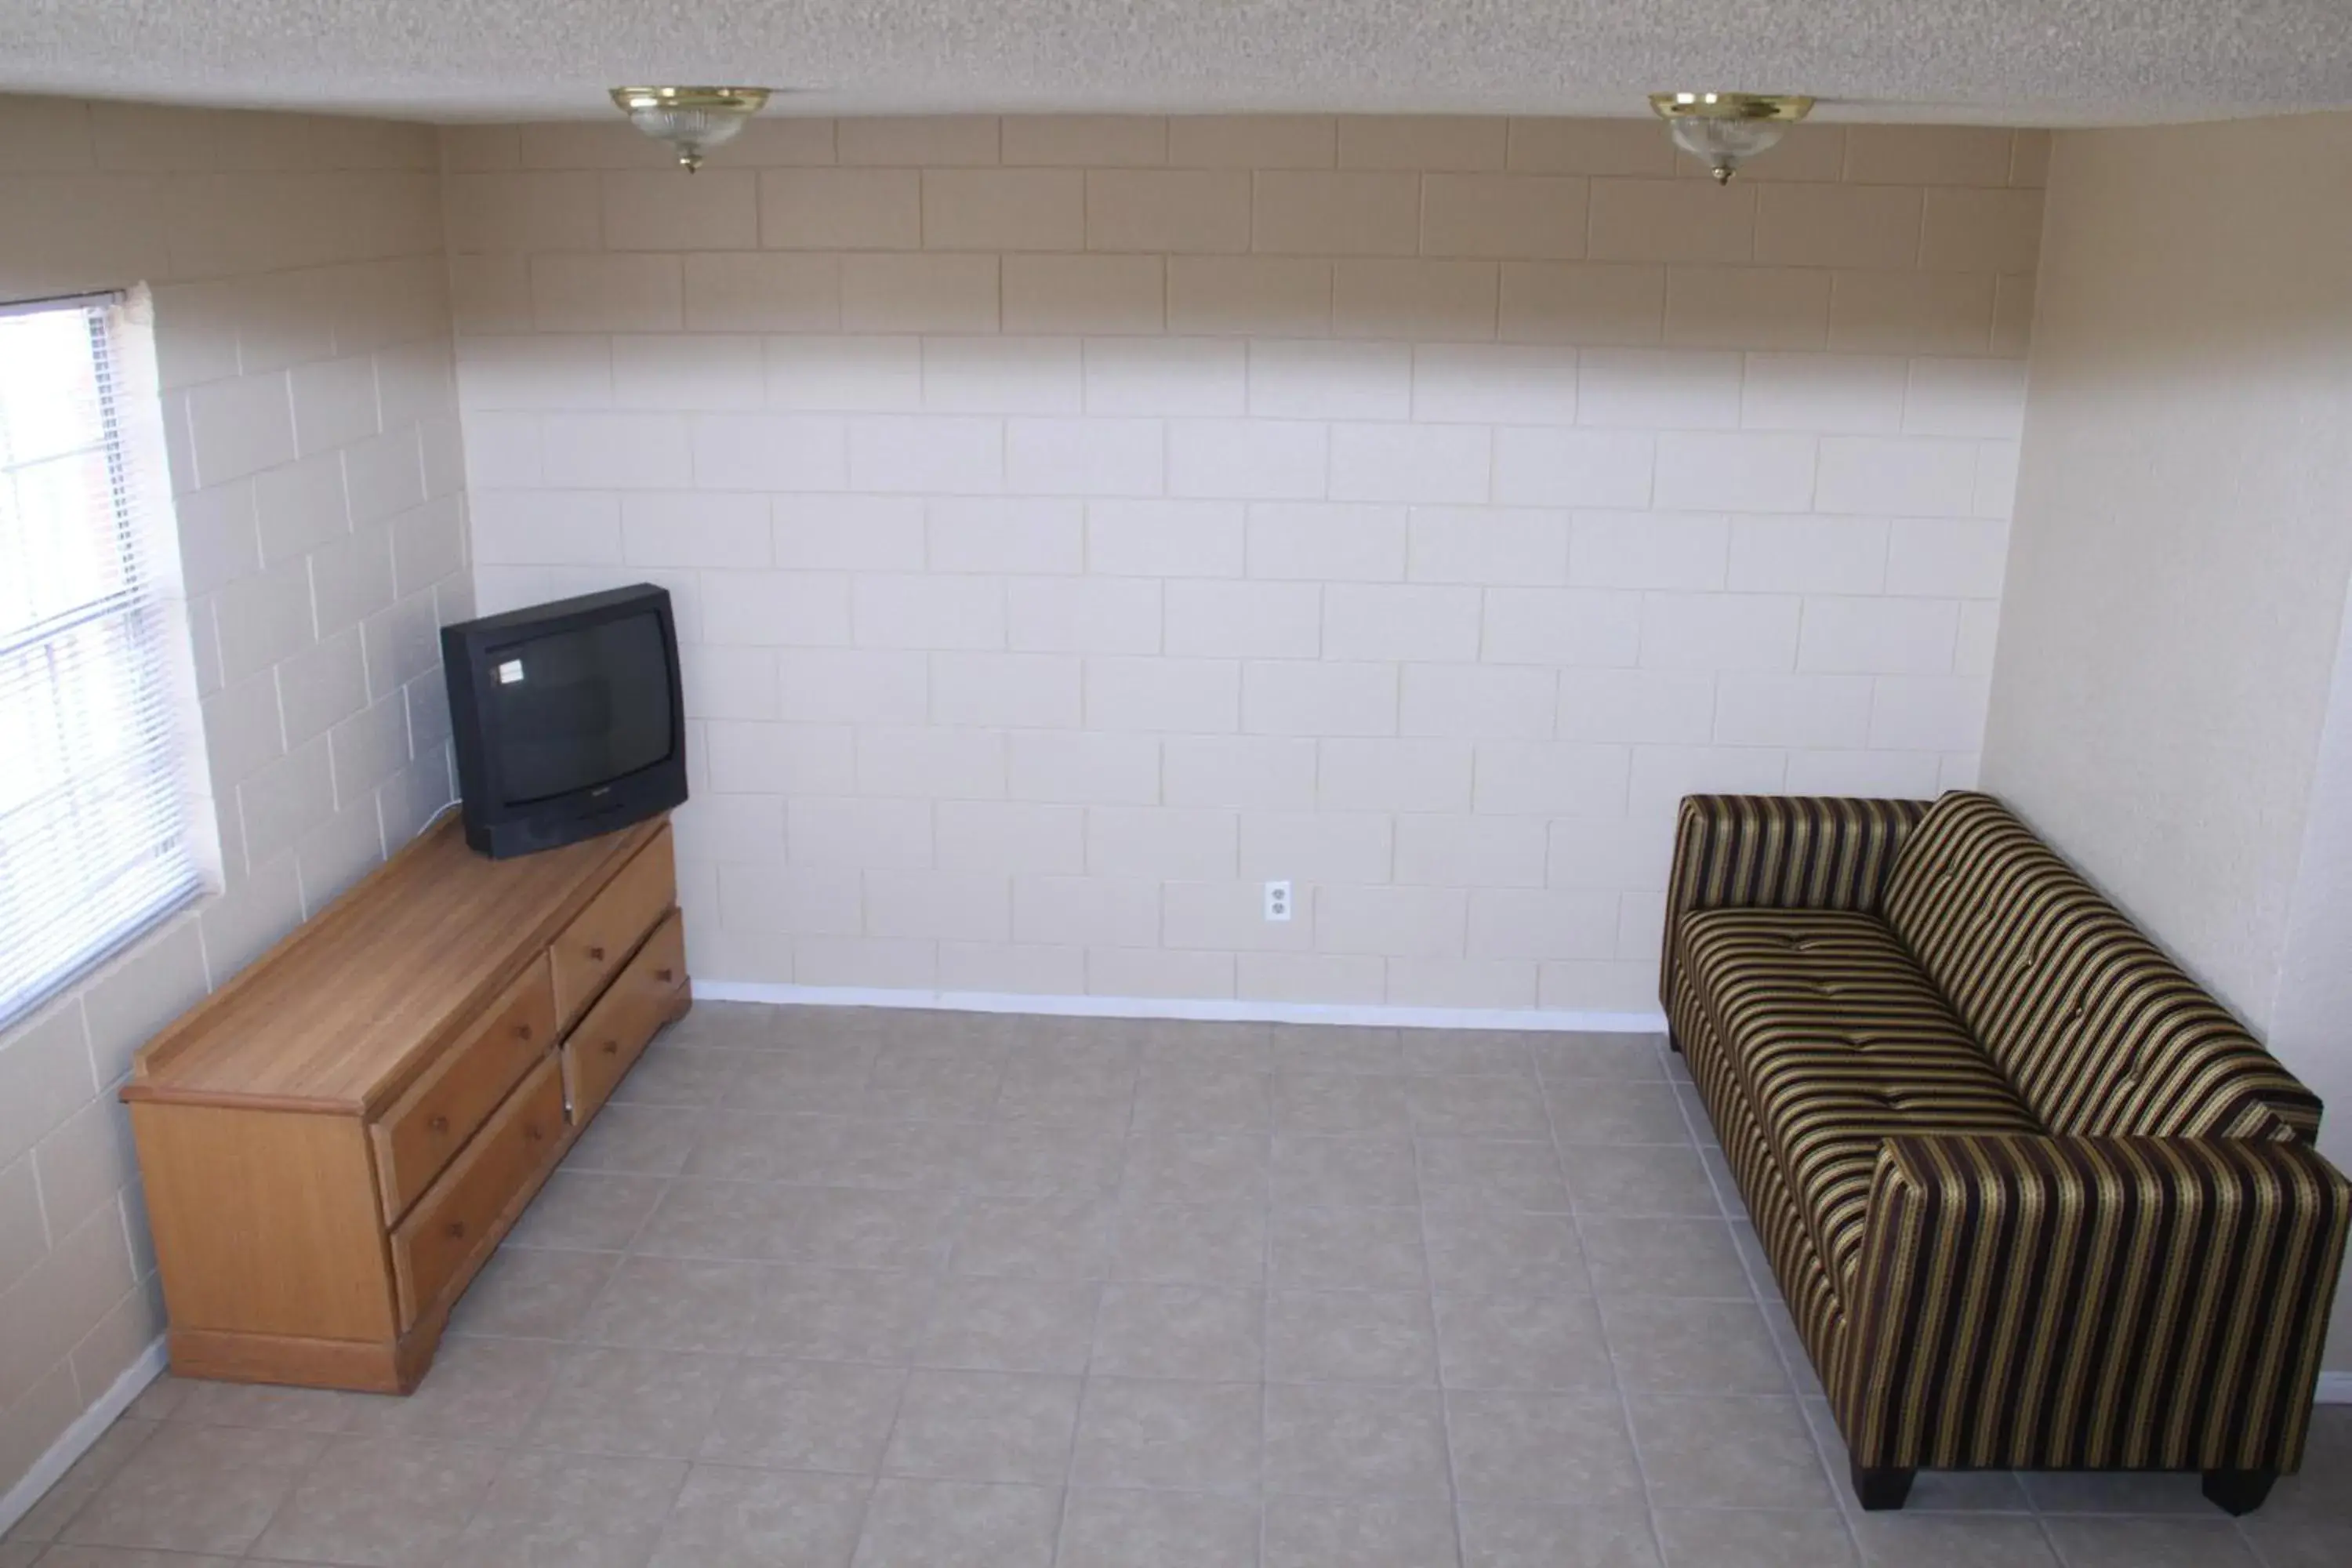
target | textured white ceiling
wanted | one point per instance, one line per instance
(2020, 61)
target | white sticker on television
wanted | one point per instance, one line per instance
(510, 672)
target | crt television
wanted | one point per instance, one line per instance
(566, 718)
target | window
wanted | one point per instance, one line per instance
(94, 820)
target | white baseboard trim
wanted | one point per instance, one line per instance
(2335, 1388)
(1207, 1009)
(75, 1440)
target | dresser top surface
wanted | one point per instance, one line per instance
(340, 1015)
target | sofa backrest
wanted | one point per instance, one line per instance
(1778, 852)
(2101, 1034)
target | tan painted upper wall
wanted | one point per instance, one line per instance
(2178, 562)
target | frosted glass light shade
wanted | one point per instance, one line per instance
(693, 120)
(1724, 144)
(1723, 130)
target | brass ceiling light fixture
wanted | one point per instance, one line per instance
(694, 120)
(1723, 130)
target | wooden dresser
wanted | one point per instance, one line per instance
(333, 1142)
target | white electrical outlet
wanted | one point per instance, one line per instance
(1278, 901)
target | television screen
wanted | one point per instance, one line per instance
(575, 710)
(567, 719)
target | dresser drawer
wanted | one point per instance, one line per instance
(416, 1139)
(610, 1039)
(461, 1214)
(601, 937)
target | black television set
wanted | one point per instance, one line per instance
(567, 719)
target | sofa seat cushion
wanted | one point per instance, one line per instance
(1840, 1042)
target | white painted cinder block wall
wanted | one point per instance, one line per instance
(301, 327)
(1076, 522)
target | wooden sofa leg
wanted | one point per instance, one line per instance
(2238, 1492)
(1882, 1489)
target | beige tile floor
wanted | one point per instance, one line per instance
(906, 1289)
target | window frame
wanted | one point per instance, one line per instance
(153, 604)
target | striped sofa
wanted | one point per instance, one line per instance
(2035, 1199)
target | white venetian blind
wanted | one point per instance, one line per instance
(93, 819)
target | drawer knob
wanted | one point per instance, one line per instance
(665, 976)
(523, 1031)
(533, 1132)
(612, 1047)
(456, 1230)
(597, 954)
(437, 1124)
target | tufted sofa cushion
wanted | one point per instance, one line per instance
(1840, 1042)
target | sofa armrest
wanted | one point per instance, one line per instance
(2051, 1303)
(1780, 852)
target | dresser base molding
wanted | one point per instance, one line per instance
(362, 1366)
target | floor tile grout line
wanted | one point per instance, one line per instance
(522, 1429)
(1609, 1350)
(1790, 1395)
(889, 1436)
(1766, 1299)
(2041, 1527)
(1445, 1399)
(56, 1535)
(1764, 1292)
(326, 1443)
(1094, 1328)
(1725, 1202)
(1266, 1310)
(742, 1350)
